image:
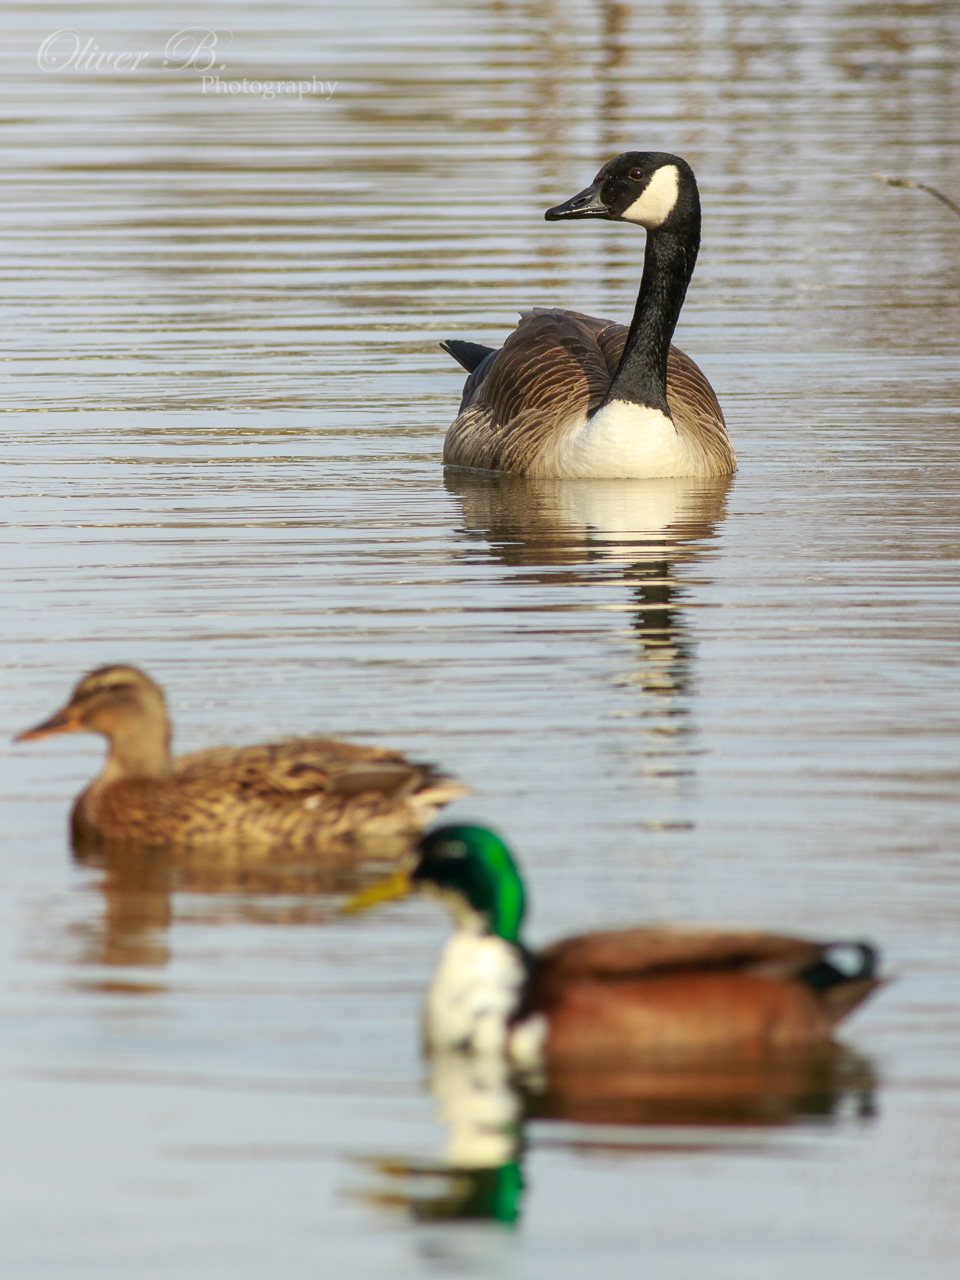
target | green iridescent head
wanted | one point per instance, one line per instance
(476, 864)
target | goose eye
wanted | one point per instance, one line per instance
(637, 175)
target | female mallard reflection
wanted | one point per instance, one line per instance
(630, 531)
(138, 885)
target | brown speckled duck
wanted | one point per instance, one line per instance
(307, 794)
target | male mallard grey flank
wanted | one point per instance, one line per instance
(646, 994)
(308, 794)
(569, 396)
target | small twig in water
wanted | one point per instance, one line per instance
(919, 186)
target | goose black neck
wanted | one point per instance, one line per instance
(668, 263)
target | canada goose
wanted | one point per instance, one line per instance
(570, 396)
(309, 794)
(647, 994)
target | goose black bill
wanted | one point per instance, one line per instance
(585, 204)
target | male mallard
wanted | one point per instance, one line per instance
(308, 794)
(661, 993)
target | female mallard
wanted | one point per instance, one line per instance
(305, 794)
(635, 993)
(569, 396)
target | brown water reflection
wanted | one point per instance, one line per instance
(631, 532)
(221, 461)
(763, 1091)
(139, 888)
(491, 1121)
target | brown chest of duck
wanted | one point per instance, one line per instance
(570, 396)
(673, 995)
(306, 794)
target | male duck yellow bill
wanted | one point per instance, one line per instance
(308, 794)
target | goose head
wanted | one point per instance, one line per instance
(653, 189)
(127, 708)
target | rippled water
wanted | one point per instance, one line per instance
(224, 406)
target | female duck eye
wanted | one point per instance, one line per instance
(637, 175)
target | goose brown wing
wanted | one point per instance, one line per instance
(550, 361)
(554, 368)
(550, 370)
(550, 364)
(690, 397)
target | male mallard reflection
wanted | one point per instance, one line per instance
(816, 1083)
(491, 1118)
(479, 1175)
(631, 531)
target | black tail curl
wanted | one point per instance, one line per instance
(470, 355)
(833, 970)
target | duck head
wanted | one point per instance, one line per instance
(124, 705)
(653, 189)
(470, 870)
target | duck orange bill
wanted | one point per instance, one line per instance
(61, 722)
(398, 885)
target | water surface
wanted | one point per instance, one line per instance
(224, 407)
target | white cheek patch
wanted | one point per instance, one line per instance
(653, 208)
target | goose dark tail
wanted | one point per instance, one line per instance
(470, 355)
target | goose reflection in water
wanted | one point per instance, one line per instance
(632, 532)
